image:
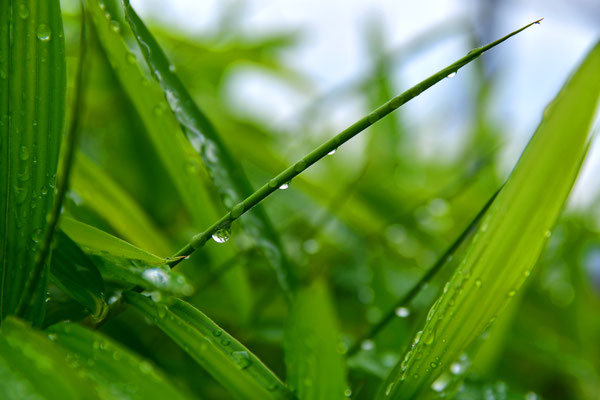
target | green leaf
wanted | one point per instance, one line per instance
(111, 202)
(227, 174)
(76, 275)
(510, 239)
(227, 360)
(31, 366)
(32, 111)
(116, 371)
(316, 369)
(96, 241)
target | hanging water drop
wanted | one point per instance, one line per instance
(367, 345)
(241, 358)
(332, 152)
(44, 33)
(23, 11)
(452, 74)
(284, 186)
(114, 25)
(348, 392)
(221, 235)
(37, 234)
(402, 312)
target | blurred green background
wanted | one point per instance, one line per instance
(279, 78)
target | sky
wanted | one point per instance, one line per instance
(332, 51)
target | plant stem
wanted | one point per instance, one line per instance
(408, 297)
(288, 174)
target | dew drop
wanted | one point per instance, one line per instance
(114, 25)
(547, 234)
(162, 311)
(478, 283)
(284, 186)
(452, 74)
(37, 234)
(433, 365)
(511, 293)
(242, 359)
(402, 312)
(217, 333)
(440, 383)
(171, 68)
(23, 11)
(131, 59)
(24, 153)
(43, 33)
(367, 345)
(222, 235)
(348, 392)
(332, 152)
(156, 276)
(389, 388)
(273, 183)
(456, 368)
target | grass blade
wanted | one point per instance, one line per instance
(111, 202)
(511, 236)
(326, 148)
(76, 275)
(32, 110)
(31, 366)
(225, 171)
(98, 241)
(316, 370)
(116, 372)
(227, 360)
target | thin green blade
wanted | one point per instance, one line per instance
(227, 174)
(227, 360)
(32, 110)
(116, 371)
(510, 239)
(316, 369)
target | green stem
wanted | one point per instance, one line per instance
(288, 174)
(408, 297)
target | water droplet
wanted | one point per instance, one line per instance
(114, 25)
(156, 276)
(433, 365)
(145, 367)
(37, 234)
(44, 190)
(284, 186)
(241, 358)
(131, 59)
(456, 368)
(389, 388)
(367, 345)
(44, 33)
(547, 234)
(237, 210)
(222, 235)
(452, 74)
(171, 68)
(526, 273)
(441, 383)
(332, 152)
(217, 333)
(24, 154)
(429, 337)
(348, 392)
(511, 293)
(162, 311)
(478, 283)
(416, 376)
(402, 312)
(23, 11)
(273, 183)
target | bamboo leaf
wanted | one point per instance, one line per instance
(227, 360)
(510, 239)
(75, 274)
(315, 368)
(227, 174)
(116, 206)
(97, 241)
(31, 366)
(32, 110)
(116, 371)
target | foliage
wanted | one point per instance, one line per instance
(377, 274)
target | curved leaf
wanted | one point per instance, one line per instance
(227, 360)
(116, 371)
(32, 111)
(31, 366)
(227, 174)
(75, 274)
(510, 239)
(315, 368)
